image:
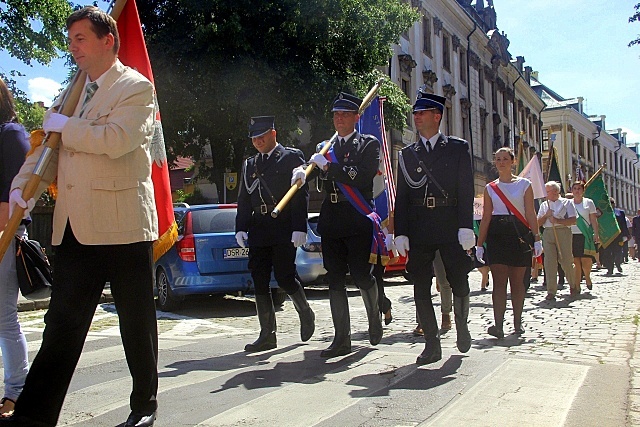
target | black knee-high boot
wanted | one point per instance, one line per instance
(341, 344)
(370, 298)
(427, 317)
(267, 319)
(461, 312)
(307, 316)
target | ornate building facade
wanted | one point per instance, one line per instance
(456, 50)
(583, 145)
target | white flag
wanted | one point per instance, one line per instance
(534, 174)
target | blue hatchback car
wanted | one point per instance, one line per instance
(206, 259)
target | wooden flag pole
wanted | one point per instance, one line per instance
(50, 142)
(294, 188)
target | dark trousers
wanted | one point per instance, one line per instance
(342, 255)
(384, 303)
(279, 258)
(80, 274)
(457, 265)
(611, 255)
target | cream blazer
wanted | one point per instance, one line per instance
(103, 165)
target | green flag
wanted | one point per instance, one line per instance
(521, 163)
(554, 169)
(608, 228)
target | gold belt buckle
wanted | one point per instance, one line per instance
(334, 197)
(264, 209)
(430, 202)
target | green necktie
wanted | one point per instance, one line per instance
(90, 91)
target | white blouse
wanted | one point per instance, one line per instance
(515, 194)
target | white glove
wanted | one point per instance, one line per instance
(537, 248)
(298, 174)
(319, 160)
(55, 122)
(298, 238)
(466, 238)
(402, 245)
(625, 238)
(241, 237)
(15, 198)
(389, 243)
(480, 253)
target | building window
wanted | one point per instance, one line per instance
(494, 97)
(581, 145)
(530, 127)
(481, 82)
(545, 139)
(463, 66)
(588, 149)
(426, 34)
(448, 120)
(446, 52)
(505, 104)
(406, 88)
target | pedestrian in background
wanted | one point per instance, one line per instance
(14, 145)
(635, 229)
(557, 215)
(266, 178)
(612, 255)
(434, 211)
(104, 224)
(507, 218)
(585, 235)
(347, 224)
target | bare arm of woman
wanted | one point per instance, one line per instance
(594, 223)
(487, 211)
(530, 212)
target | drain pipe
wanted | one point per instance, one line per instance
(475, 26)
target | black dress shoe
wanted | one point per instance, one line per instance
(140, 420)
(429, 355)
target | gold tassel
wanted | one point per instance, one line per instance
(165, 242)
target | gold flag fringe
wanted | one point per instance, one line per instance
(165, 242)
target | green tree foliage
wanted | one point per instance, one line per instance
(635, 18)
(31, 114)
(32, 30)
(218, 62)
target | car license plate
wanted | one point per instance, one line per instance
(234, 253)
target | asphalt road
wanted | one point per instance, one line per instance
(574, 366)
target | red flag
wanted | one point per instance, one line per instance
(133, 53)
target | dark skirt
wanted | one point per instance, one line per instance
(503, 245)
(577, 246)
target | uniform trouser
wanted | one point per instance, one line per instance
(342, 255)
(80, 274)
(279, 258)
(446, 296)
(12, 340)
(420, 265)
(552, 256)
(611, 255)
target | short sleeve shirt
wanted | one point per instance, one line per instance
(583, 209)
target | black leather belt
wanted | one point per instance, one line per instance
(435, 202)
(264, 209)
(339, 197)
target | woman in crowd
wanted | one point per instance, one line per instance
(14, 145)
(505, 227)
(585, 234)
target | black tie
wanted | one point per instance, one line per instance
(264, 158)
(428, 146)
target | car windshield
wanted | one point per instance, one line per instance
(213, 221)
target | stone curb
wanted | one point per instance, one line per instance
(25, 304)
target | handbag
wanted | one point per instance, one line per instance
(523, 240)
(32, 265)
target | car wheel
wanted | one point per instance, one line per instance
(279, 296)
(166, 300)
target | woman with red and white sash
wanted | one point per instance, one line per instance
(507, 215)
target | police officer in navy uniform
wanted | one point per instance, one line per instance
(266, 178)
(434, 211)
(347, 234)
